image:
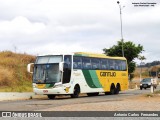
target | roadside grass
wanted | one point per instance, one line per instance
(13, 72)
(155, 93)
(16, 89)
(133, 85)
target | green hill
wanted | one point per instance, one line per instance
(13, 72)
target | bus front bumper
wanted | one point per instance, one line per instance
(53, 91)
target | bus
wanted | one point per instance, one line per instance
(79, 72)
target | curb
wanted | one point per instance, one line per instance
(19, 96)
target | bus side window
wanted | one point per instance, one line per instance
(124, 67)
(86, 63)
(111, 65)
(104, 64)
(77, 63)
(117, 65)
(95, 63)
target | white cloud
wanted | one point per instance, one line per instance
(20, 24)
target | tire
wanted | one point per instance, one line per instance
(51, 96)
(117, 89)
(112, 91)
(76, 92)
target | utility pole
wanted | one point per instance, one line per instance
(120, 8)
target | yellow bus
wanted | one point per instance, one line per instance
(80, 72)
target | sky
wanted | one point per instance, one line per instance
(49, 26)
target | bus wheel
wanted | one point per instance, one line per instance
(112, 90)
(117, 89)
(76, 92)
(51, 96)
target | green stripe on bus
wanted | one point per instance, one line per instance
(49, 85)
(95, 78)
(88, 78)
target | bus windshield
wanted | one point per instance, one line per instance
(49, 59)
(46, 73)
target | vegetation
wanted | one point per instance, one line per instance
(131, 51)
(13, 74)
(155, 93)
(150, 64)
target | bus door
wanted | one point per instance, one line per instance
(67, 68)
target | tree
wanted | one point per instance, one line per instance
(131, 51)
(141, 58)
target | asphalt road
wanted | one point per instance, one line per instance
(44, 103)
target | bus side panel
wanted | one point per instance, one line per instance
(87, 80)
(106, 78)
(98, 80)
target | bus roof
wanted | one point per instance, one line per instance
(86, 54)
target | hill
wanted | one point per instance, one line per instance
(146, 71)
(13, 72)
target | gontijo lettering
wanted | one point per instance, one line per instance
(110, 74)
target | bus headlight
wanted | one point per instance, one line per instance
(34, 86)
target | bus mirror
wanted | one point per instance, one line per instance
(61, 66)
(30, 68)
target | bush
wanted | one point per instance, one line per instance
(13, 71)
(6, 77)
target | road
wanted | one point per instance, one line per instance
(44, 103)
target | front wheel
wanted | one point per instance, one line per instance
(76, 92)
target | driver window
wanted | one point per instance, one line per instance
(67, 61)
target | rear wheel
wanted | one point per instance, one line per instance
(51, 96)
(117, 89)
(76, 92)
(112, 90)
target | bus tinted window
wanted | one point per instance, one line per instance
(86, 63)
(95, 63)
(98, 63)
(119, 65)
(111, 64)
(67, 61)
(77, 63)
(104, 64)
(123, 65)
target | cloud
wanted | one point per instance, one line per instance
(20, 24)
